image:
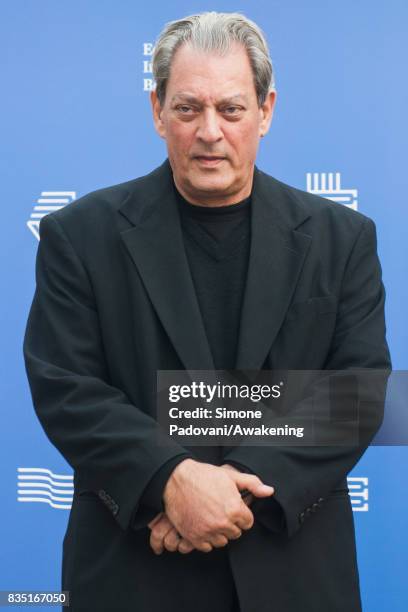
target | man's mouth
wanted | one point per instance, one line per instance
(209, 160)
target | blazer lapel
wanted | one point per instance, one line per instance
(277, 254)
(155, 244)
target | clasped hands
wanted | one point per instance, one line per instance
(204, 508)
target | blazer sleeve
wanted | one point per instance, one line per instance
(113, 446)
(304, 475)
(151, 501)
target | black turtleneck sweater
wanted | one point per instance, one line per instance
(217, 243)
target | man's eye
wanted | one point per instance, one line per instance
(231, 110)
(184, 109)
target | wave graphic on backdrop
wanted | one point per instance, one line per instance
(49, 201)
(327, 185)
(43, 486)
(358, 487)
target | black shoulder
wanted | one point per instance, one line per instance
(319, 211)
(95, 203)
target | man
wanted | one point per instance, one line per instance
(206, 263)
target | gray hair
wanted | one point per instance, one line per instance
(214, 32)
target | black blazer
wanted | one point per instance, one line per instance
(114, 303)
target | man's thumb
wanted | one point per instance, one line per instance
(253, 484)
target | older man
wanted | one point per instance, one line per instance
(206, 263)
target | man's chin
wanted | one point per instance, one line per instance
(211, 186)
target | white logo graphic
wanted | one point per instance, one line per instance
(42, 485)
(358, 493)
(327, 185)
(148, 82)
(48, 202)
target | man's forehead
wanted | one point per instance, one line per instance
(198, 73)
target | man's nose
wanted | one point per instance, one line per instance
(209, 129)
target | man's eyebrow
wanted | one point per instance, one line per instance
(235, 98)
(185, 97)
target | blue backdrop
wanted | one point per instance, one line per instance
(75, 117)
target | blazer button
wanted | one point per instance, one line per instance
(314, 507)
(320, 501)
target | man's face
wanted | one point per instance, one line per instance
(212, 124)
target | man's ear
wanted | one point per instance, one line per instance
(266, 112)
(157, 110)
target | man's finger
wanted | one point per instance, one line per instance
(155, 520)
(233, 532)
(219, 540)
(238, 534)
(158, 533)
(205, 547)
(252, 483)
(185, 546)
(171, 540)
(246, 520)
(162, 522)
